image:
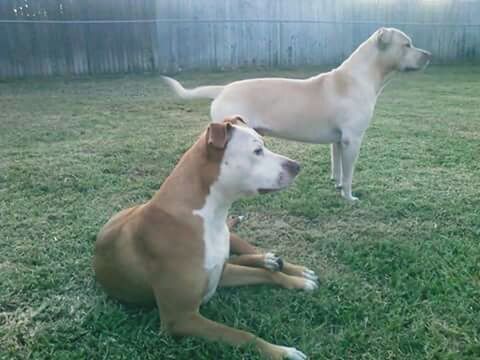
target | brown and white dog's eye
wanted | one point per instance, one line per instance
(258, 151)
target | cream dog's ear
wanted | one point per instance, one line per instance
(384, 37)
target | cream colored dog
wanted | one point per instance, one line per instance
(331, 108)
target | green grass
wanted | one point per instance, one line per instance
(400, 270)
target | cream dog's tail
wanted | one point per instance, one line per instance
(201, 92)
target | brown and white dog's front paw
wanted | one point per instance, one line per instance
(309, 274)
(277, 352)
(310, 285)
(301, 271)
(272, 262)
(301, 283)
(292, 353)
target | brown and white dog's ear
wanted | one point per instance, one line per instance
(384, 38)
(235, 120)
(218, 135)
(238, 120)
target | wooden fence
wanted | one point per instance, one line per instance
(74, 37)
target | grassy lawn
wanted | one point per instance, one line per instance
(400, 270)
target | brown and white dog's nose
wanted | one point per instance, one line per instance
(292, 167)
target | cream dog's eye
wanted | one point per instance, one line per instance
(408, 45)
(258, 151)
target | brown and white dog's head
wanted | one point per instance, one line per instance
(397, 52)
(247, 167)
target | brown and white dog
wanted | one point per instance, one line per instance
(331, 108)
(174, 250)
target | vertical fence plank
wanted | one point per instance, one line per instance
(317, 32)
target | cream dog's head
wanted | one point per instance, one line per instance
(396, 51)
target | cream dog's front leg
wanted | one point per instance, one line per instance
(350, 147)
(336, 158)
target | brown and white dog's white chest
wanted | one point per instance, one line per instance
(216, 238)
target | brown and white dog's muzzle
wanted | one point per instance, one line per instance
(290, 169)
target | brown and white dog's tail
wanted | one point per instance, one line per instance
(201, 92)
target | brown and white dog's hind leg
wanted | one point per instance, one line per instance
(249, 255)
(268, 261)
(179, 313)
(194, 324)
(237, 275)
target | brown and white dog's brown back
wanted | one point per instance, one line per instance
(174, 250)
